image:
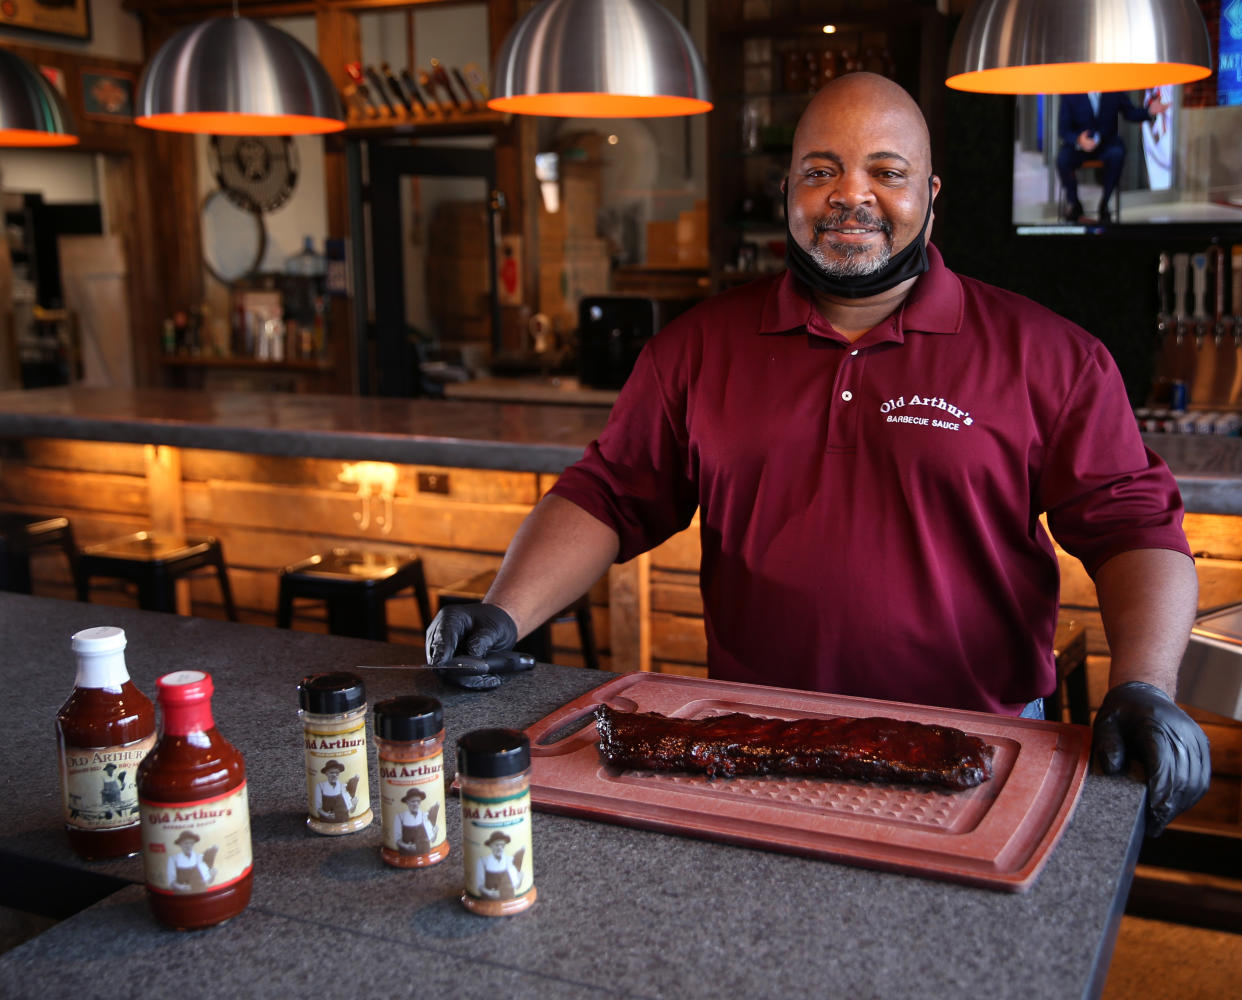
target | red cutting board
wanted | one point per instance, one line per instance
(997, 835)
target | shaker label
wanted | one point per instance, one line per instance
(196, 847)
(412, 804)
(337, 786)
(99, 786)
(496, 846)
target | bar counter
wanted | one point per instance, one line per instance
(621, 912)
(520, 436)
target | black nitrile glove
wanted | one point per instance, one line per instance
(1138, 721)
(471, 630)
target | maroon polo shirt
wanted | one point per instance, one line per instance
(869, 511)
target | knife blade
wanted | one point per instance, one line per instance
(506, 662)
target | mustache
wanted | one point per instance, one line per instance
(858, 217)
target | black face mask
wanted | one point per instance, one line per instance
(907, 263)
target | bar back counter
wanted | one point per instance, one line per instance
(621, 912)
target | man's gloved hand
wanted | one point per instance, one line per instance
(1138, 721)
(472, 630)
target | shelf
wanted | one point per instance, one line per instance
(413, 126)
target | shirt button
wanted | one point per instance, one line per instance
(853, 354)
(847, 395)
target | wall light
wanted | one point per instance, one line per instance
(235, 76)
(1078, 46)
(600, 59)
(32, 112)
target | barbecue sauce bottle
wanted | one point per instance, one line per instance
(195, 816)
(105, 728)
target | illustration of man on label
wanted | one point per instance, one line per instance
(189, 871)
(414, 831)
(496, 875)
(110, 793)
(334, 801)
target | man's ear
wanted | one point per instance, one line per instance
(785, 185)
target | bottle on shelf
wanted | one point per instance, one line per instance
(105, 728)
(195, 813)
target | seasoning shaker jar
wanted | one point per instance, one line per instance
(493, 772)
(409, 741)
(334, 733)
(105, 728)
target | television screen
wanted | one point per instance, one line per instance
(1165, 156)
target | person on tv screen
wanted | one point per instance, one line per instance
(1087, 126)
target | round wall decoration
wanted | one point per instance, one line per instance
(259, 170)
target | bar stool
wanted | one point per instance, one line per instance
(539, 642)
(20, 534)
(154, 562)
(355, 584)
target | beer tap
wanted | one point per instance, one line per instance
(1235, 390)
(1200, 382)
(1181, 321)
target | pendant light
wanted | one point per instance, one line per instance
(236, 76)
(1078, 46)
(32, 112)
(600, 59)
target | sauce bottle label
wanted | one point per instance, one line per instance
(412, 804)
(99, 787)
(196, 847)
(337, 787)
(496, 846)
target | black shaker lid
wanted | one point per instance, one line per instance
(410, 717)
(331, 694)
(493, 753)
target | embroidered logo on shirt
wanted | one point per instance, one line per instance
(957, 417)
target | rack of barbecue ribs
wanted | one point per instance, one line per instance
(871, 749)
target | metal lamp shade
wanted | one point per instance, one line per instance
(600, 59)
(32, 112)
(235, 76)
(1078, 46)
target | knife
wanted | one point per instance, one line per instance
(508, 661)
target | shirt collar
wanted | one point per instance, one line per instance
(934, 305)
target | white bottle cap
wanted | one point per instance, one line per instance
(102, 639)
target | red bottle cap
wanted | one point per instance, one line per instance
(185, 697)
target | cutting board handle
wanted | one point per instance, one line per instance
(568, 729)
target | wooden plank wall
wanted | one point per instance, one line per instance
(269, 512)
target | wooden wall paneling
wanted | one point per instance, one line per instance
(65, 491)
(629, 606)
(86, 456)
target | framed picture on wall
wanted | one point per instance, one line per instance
(108, 94)
(52, 17)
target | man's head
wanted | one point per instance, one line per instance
(860, 178)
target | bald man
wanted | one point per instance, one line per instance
(870, 441)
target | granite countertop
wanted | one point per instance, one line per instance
(621, 912)
(521, 436)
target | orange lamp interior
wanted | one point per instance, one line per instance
(236, 123)
(590, 105)
(1076, 78)
(34, 137)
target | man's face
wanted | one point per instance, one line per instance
(332, 776)
(498, 849)
(187, 847)
(414, 804)
(858, 185)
